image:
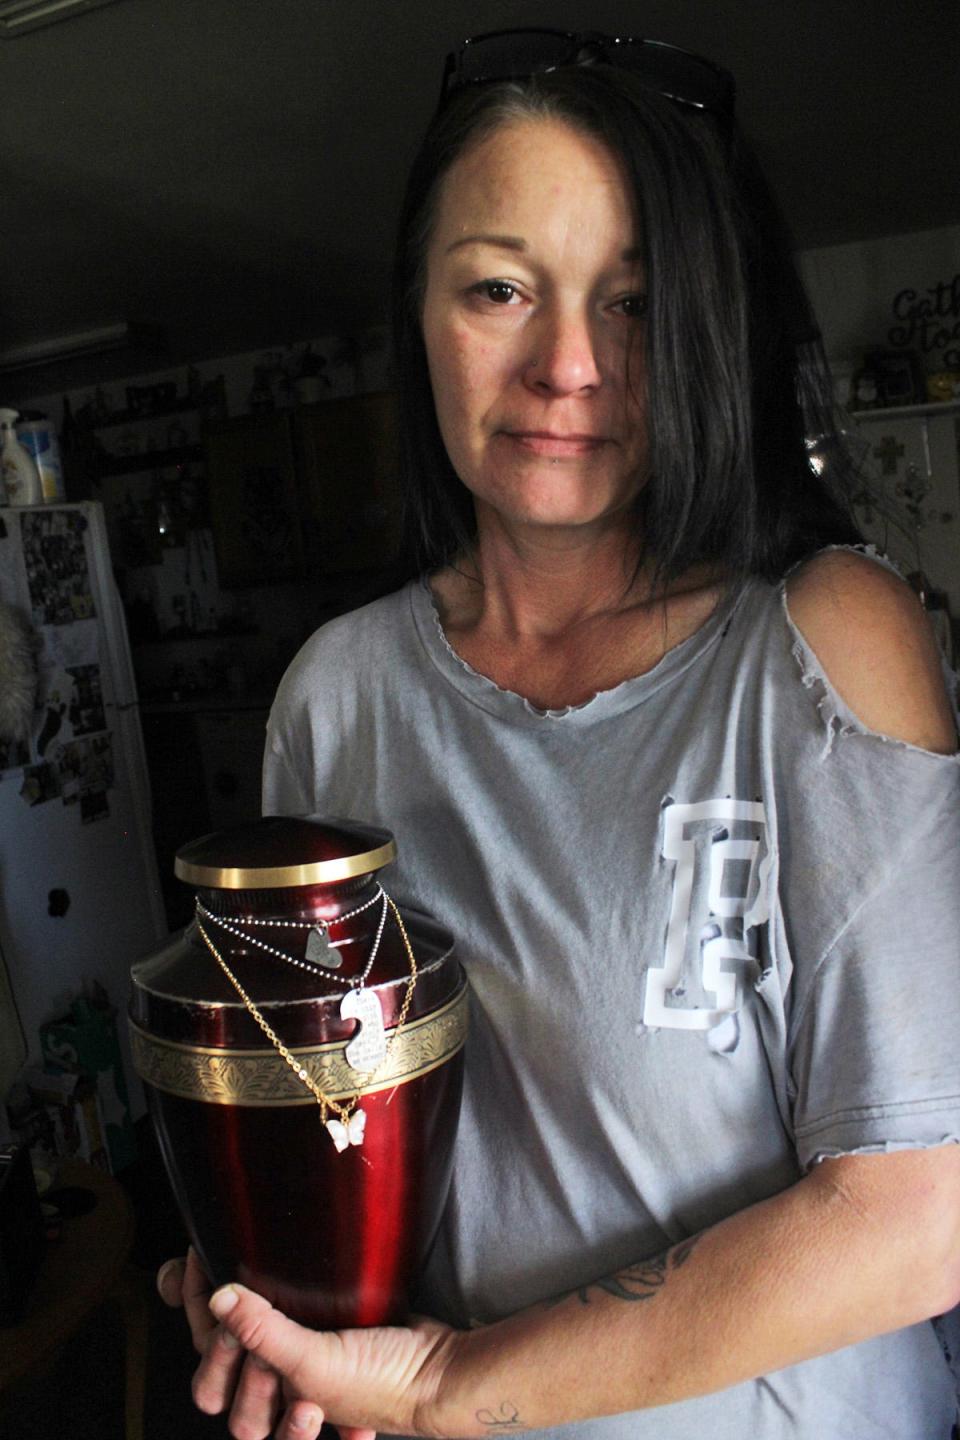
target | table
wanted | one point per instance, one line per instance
(84, 1269)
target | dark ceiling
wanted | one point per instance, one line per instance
(232, 168)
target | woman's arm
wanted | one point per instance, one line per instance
(862, 1245)
(841, 1256)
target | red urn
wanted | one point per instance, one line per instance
(301, 1050)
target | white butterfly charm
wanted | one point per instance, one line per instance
(349, 1133)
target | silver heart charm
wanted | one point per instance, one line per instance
(320, 950)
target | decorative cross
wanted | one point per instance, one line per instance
(914, 489)
(864, 500)
(888, 452)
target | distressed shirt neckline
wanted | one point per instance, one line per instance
(480, 690)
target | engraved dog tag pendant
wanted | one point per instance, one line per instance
(321, 951)
(367, 1049)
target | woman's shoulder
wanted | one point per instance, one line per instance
(875, 646)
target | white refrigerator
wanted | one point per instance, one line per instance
(79, 893)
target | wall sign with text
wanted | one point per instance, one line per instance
(928, 321)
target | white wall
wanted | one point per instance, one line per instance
(853, 287)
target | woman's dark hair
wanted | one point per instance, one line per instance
(735, 380)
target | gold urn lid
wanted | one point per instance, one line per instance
(280, 851)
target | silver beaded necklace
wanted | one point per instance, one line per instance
(367, 1049)
(322, 954)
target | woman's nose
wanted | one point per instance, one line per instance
(563, 355)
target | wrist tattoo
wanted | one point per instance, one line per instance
(642, 1281)
(506, 1418)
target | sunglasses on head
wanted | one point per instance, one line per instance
(677, 74)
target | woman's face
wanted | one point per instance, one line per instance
(533, 305)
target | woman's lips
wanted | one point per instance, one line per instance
(546, 442)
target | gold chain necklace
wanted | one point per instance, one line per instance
(348, 1128)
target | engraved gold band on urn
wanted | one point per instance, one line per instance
(259, 1077)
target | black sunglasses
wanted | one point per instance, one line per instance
(677, 74)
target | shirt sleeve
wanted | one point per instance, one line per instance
(875, 1054)
(287, 780)
(871, 904)
(282, 792)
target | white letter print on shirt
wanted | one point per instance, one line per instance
(681, 846)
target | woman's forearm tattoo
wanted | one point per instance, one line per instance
(642, 1281)
(506, 1418)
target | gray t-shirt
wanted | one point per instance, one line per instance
(711, 929)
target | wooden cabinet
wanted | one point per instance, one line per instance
(252, 494)
(312, 491)
(180, 811)
(348, 462)
(231, 756)
(204, 764)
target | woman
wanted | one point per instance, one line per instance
(707, 911)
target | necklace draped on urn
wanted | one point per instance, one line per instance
(301, 1051)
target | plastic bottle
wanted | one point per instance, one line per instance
(21, 478)
(37, 434)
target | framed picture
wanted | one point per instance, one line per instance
(899, 375)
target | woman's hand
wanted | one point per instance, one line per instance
(267, 1370)
(226, 1376)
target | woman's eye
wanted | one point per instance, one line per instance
(500, 292)
(632, 306)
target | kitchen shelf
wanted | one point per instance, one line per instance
(183, 406)
(907, 412)
(147, 460)
(206, 703)
(196, 635)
